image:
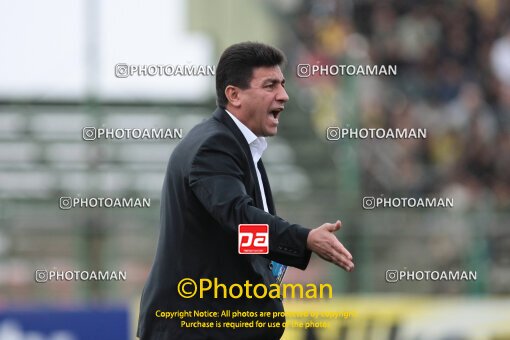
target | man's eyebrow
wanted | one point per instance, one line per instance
(273, 80)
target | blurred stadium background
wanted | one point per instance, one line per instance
(453, 57)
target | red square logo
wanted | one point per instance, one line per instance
(253, 238)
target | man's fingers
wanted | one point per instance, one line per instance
(339, 247)
(343, 262)
(341, 259)
(348, 265)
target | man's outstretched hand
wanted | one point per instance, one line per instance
(324, 243)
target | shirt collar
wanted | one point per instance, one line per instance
(257, 144)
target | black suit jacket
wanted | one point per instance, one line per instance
(210, 188)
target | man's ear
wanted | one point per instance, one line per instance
(233, 95)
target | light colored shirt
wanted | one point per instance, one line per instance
(257, 147)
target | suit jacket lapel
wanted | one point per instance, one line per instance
(224, 118)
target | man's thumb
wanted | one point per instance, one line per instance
(332, 227)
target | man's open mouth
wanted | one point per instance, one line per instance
(276, 112)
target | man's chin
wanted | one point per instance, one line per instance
(271, 132)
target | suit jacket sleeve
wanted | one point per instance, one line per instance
(217, 180)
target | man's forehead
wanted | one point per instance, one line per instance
(263, 73)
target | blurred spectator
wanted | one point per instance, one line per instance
(500, 57)
(453, 64)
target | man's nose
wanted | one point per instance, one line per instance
(282, 95)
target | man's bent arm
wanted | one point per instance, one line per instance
(216, 179)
